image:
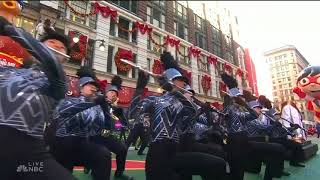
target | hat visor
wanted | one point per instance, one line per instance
(182, 78)
(92, 82)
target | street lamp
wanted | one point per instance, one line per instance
(76, 37)
(102, 47)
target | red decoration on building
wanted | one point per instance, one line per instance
(239, 72)
(227, 67)
(125, 95)
(79, 49)
(105, 11)
(103, 84)
(172, 42)
(143, 28)
(157, 67)
(206, 83)
(123, 54)
(213, 60)
(222, 87)
(73, 86)
(194, 52)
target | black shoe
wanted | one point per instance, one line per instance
(296, 164)
(123, 177)
(285, 173)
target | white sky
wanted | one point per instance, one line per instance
(266, 25)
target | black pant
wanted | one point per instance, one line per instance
(272, 154)
(164, 161)
(25, 157)
(159, 161)
(139, 131)
(72, 150)
(295, 147)
(115, 146)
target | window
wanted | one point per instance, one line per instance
(61, 9)
(156, 49)
(180, 30)
(110, 59)
(289, 79)
(156, 14)
(274, 87)
(90, 50)
(81, 7)
(134, 70)
(183, 57)
(124, 24)
(27, 24)
(199, 23)
(275, 93)
(180, 10)
(149, 64)
(112, 30)
(93, 19)
(228, 56)
(203, 63)
(200, 40)
(216, 41)
(128, 5)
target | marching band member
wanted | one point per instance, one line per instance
(171, 116)
(107, 139)
(76, 119)
(28, 97)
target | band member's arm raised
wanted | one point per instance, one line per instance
(48, 63)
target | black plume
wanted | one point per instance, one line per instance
(168, 61)
(248, 96)
(229, 81)
(116, 81)
(86, 72)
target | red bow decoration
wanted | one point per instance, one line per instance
(157, 67)
(143, 27)
(103, 84)
(194, 51)
(206, 83)
(187, 74)
(239, 72)
(227, 67)
(105, 11)
(172, 42)
(213, 60)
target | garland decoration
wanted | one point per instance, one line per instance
(239, 72)
(213, 60)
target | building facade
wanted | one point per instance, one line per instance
(145, 29)
(252, 77)
(285, 63)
